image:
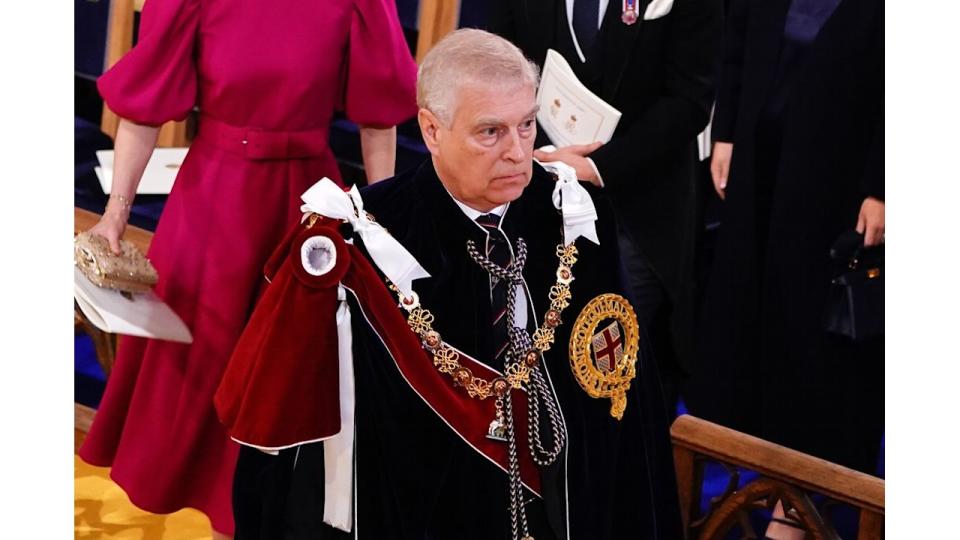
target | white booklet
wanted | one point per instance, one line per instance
(158, 176)
(144, 315)
(569, 112)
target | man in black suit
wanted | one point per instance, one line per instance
(658, 72)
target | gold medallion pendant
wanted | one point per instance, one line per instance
(603, 349)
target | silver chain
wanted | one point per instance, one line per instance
(518, 512)
(537, 390)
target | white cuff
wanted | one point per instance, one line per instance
(596, 171)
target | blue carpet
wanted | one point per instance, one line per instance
(88, 380)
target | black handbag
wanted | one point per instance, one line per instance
(855, 302)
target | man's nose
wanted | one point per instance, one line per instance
(515, 151)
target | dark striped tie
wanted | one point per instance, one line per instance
(498, 251)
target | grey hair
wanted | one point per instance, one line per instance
(468, 56)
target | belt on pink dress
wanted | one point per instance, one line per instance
(261, 144)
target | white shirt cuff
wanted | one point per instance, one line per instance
(596, 171)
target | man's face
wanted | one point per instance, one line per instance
(485, 156)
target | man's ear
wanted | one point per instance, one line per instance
(430, 130)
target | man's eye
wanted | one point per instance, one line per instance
(490, 132)
(528, 124)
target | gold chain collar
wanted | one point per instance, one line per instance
(447, 359)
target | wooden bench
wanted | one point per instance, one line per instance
(784, 475)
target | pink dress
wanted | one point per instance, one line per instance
(267, 77)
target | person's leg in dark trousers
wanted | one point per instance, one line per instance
(650, 301)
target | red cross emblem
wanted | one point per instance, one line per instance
(607, 347)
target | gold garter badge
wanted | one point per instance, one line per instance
(603, 359)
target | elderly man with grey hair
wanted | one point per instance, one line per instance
(447, 354)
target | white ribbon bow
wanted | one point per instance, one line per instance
(400, 267)
(579, 214)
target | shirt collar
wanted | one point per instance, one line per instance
(474, 214)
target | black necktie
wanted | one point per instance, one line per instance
(586, 15)
(498, 251)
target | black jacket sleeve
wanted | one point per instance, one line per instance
(873, 180)
(731, 70)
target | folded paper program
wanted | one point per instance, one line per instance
(569, 112)
(158, 176)
(140, 314)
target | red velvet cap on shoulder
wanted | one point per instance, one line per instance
(280, 387)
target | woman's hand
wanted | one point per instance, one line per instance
(720, 166)
(112, 224)
(870, 222)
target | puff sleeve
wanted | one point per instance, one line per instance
(156, 81)
(381, 76)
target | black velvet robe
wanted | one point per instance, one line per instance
(416, 478)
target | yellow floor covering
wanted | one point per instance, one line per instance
(102, 511)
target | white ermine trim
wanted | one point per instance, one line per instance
(318, 254)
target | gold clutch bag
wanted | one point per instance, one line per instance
(129, 272)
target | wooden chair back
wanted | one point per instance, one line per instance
(437, 19)
(784, 475)
(119, 41)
